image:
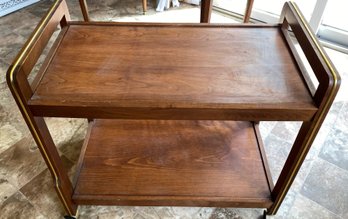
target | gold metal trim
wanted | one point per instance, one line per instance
(36, 135)
(321, 113)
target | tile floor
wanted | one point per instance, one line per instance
(26, 190)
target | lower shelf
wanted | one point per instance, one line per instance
(172, 163)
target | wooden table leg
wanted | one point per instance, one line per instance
(206, 6)
(84, 10)
(144, 6)
(248, 10)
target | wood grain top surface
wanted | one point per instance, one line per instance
(173, 67)
(193, 160)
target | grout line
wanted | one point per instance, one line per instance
(334, 165)
(37, 208)
(316, 203)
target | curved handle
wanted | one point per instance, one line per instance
(327, 75)
(21, 91)
(32, 49)
(329, 81)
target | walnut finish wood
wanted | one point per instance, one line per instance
(82, 152)
(263, 156)
(125, 70)
(168, 113)
(329, 82)
(21, 91)
(59, 17)
(162, 162)
(49, 57)
(253, 55)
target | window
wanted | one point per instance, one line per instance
(334, 26)
(328, 18)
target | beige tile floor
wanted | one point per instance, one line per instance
(26, 189)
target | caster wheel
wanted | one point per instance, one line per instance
(264, 214)
(69, 217)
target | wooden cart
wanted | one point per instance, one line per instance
(173, 108)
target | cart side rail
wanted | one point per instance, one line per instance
(32, 49)
(329, 81)
(323, 68)
(17, 79)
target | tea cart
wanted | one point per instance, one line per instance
(173, 109)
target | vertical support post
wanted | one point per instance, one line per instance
(293, 163)
(43, 139)
(84, 10)
(206, 6)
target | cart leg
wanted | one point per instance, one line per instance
(22, 92)
(48, 150)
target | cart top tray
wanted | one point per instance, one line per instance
(138, 70)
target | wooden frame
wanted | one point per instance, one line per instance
(22, 91)
(329, 82)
